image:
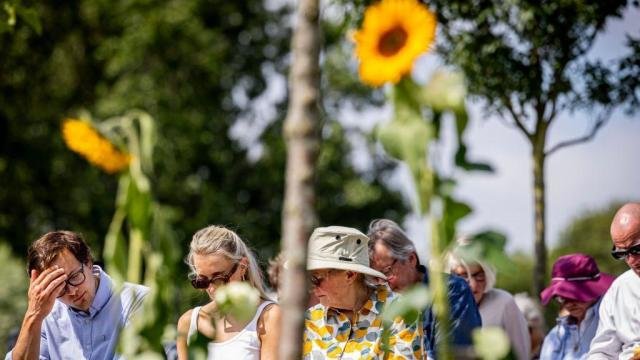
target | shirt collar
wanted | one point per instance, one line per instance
(589, 314)
(592, 310)
(103, 293)
(375, 303)
(425, 274)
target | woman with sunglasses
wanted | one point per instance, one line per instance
(578, 286)
(216, 257)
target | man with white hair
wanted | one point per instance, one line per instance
(618, 334)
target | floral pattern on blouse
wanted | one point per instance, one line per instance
(330, 335)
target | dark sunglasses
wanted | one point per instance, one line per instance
(623, 254)
(316, 281)
(202, 282)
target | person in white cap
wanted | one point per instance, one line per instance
(347, 323)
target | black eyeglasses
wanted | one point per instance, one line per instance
(623, 254)
(203, 282)
(75, 279)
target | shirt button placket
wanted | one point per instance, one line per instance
(86, 341)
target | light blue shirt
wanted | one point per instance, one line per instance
(569, 341)
(71, 334)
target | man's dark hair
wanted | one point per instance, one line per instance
(43, 252)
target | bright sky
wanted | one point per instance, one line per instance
(579, 178)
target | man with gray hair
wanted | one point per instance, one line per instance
(393, 254)
(618, 334)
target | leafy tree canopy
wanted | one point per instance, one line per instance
(195, 66)
(527, 55)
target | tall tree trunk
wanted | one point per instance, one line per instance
(539, 194)
(302, 135)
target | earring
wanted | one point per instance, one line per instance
(244, 273)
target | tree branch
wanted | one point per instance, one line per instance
(602, 120)
(517, 119)
(552, 112)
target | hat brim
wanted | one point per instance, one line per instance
(583, 291)
(316, 264)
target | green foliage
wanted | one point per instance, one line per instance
(528, 61)
(492, 343)
(629, 86)
(12, 11)
(529, 53)
(406, 138)
(409, 307)
(588, 233)
(237, 299)
(416, 123)
(13, 295)
(487, 246)
(516, 279)
(168, 63)
(195, 66)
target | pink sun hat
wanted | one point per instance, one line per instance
(577, 277)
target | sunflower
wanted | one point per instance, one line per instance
(394, 33)
(85, 140)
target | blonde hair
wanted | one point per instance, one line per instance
(215, 239)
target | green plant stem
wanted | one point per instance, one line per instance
(134, 270)
(439, 291)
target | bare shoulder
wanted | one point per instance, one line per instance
(270, 316)
(271, 311)
(184, 321)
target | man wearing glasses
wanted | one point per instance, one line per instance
(393, 254)
(618, 334)
(73, 311)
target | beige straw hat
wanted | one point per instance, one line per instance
(339, 247)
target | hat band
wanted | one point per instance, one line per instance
(579, 278)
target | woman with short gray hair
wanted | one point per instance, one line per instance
(497, 307)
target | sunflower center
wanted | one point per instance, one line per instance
(392, 41)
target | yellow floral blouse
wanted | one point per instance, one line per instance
(329, 334)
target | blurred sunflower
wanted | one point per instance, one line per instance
(85, 140)
(394, 33)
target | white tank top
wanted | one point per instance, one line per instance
(244, 345)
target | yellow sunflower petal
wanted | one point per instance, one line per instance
(82, 138)
(393, 34)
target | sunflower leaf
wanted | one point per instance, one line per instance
(407, 141)
(409, 306)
